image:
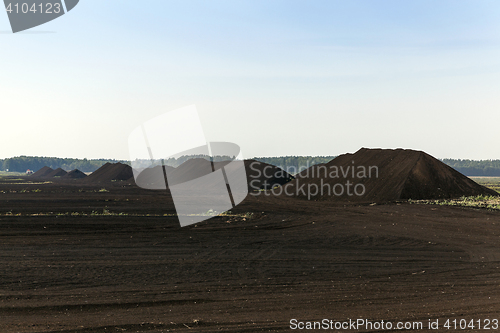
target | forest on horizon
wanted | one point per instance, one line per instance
(485, 168)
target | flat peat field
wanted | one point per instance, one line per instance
(113, 258)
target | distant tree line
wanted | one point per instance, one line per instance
(295, 164)
(176, 161)
(488, 168)
(291, 164)
(23, 163)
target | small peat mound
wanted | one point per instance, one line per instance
(43, 172)
(383, 175)
(74, 174)
(110, 172)
(56, 173)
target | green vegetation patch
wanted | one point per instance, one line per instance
(475, 168)
(11, 174)
(480, 201)
(490, 182)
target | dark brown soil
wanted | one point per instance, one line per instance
(102, 256)
(79, 259)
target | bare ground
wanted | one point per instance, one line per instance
(97, 272)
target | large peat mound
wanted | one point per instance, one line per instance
(110, 172)
(43, 172)
(384, 175)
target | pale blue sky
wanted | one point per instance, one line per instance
(275, 77)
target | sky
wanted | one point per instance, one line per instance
(275, 77)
